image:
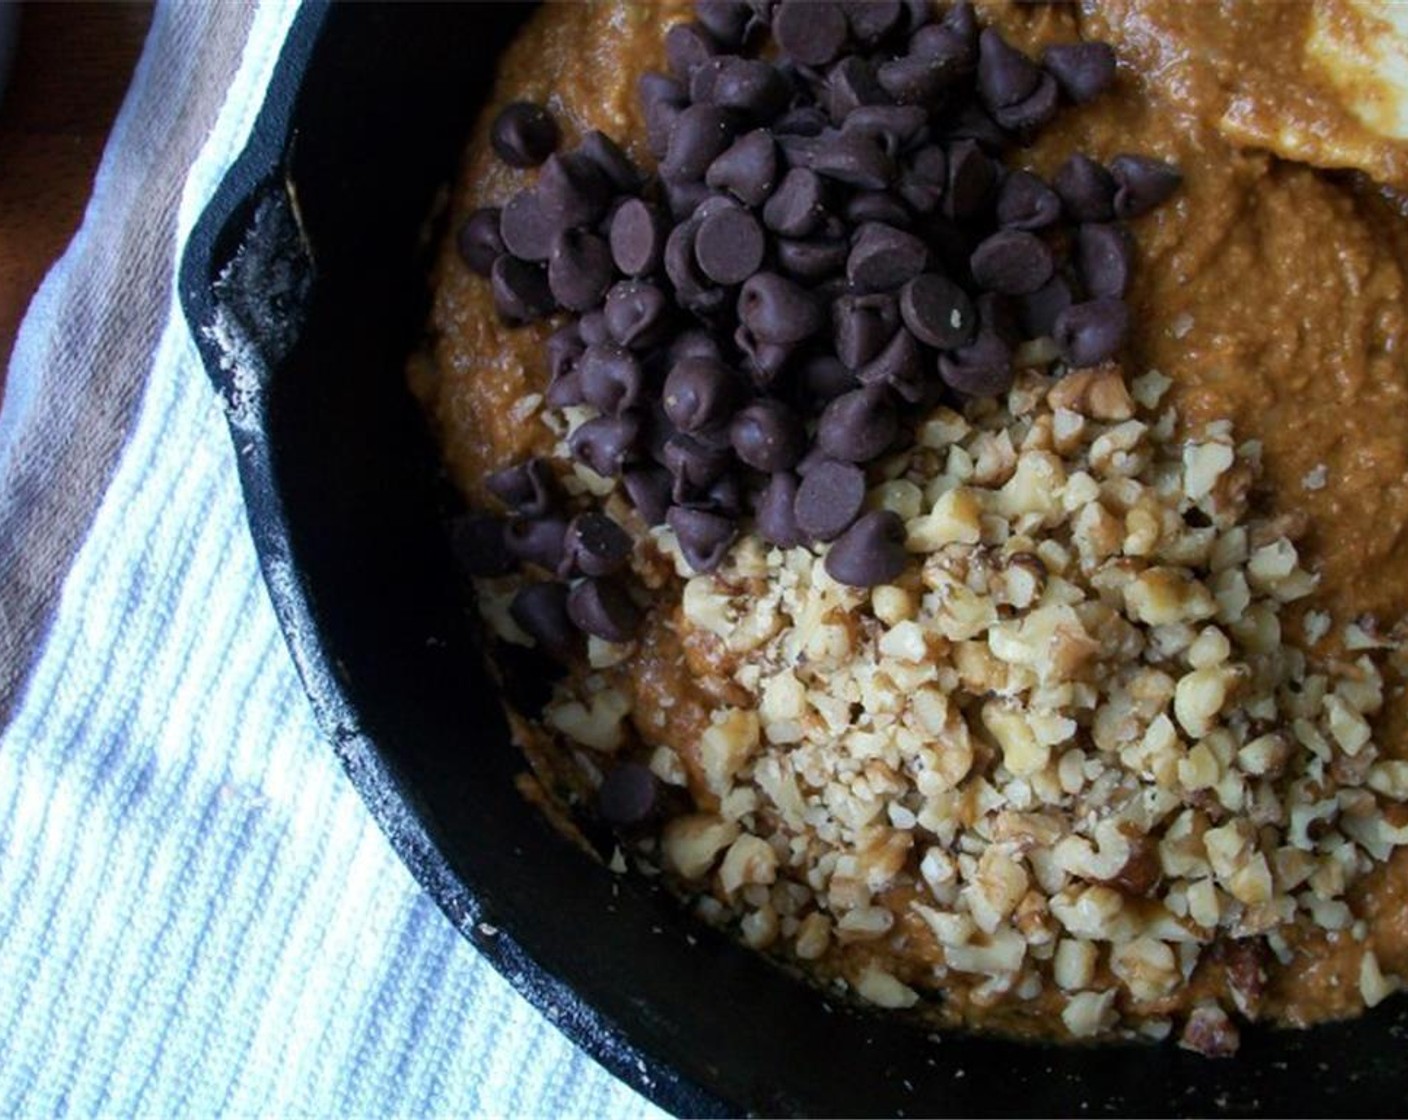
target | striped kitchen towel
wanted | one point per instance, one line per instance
(197, 914)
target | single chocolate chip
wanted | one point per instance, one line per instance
(628, 795)
(1141, 183)
(971, 175)
(1091, 332)
(945, 46)
(523, 134)
(870, 552)
(972, 122)
(703, 79)
(594, 545)
(729, 246)
(1038, 310)
(1012, 262)
(813, 259)
(776, 310)
(853, 158)
(915, 79)
(564, 391)
(1083, 70)
(726, 20)
(479, 241)
(1104, 257)
(681, 266)
(686, 46)
(699, 135)
(983, 368)
(829, 499)
(898, 366)
(610, 377)
(862, 325)
(851, 84)
(693, 343)
(564, 346)
(1025, 202)
(748, 169)
(704, 537)
(521, 292)
(638, 233)
(938, 311)
(1005, 75)
(922, 182)
(604, 609)
(685, 196)
(877, 206)
(751, 87)
(857, 426)
(775, 512)
(699, 393)
(812, 32)
(620, 172)
(823, 378)
(540, 609)
(526, 229)
(662, 99)
(637, 314)
(478, 545)
(573, 190)
(604, 443)
(762, 360)
(579, 269)
(1032, 113)
(594, 328)
(648, 489)
(872, 20)
(1087, 190)
(797, 207)
(802, 121)
(537, 540)
(896, 128)
(883, 258)
(767, 436)
(527, 488)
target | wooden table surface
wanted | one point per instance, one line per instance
(70, 72)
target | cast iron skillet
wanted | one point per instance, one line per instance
(304, 285)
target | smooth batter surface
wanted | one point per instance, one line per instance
(1273, 294)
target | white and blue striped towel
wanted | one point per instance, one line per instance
(197, 913)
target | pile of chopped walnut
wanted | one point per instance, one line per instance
(1060, 757)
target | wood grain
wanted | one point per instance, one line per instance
(72, 67)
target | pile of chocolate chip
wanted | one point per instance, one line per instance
(830, 247)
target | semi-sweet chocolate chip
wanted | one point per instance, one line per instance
(938, 311)
(629, 795)
(704, 537)
(1141, 183)
(983, 368)
(747, 169)
(1083, 70)
(1104, 257)
(637, 314)
(767, 436)
(1091, 332)
(1087, 190)
(527, 488)
(479, 242)
(594, 545)
(648, 488)
(813, 32)
(579, 269)
(523, 134)
(638, 232)
(776, 310)
(729, 246)
(604, 609)
(604, 443)
(857, 426)
(526, 230)
(521, 292)
(610, 378)
(1012, 262)
(537, 540)
(870, 552)
(1025, 202)
(898, 366)
(796, 208)
(1005, 75)
(540, 609)
(699, 393)
(829, 498)
(883, 258)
